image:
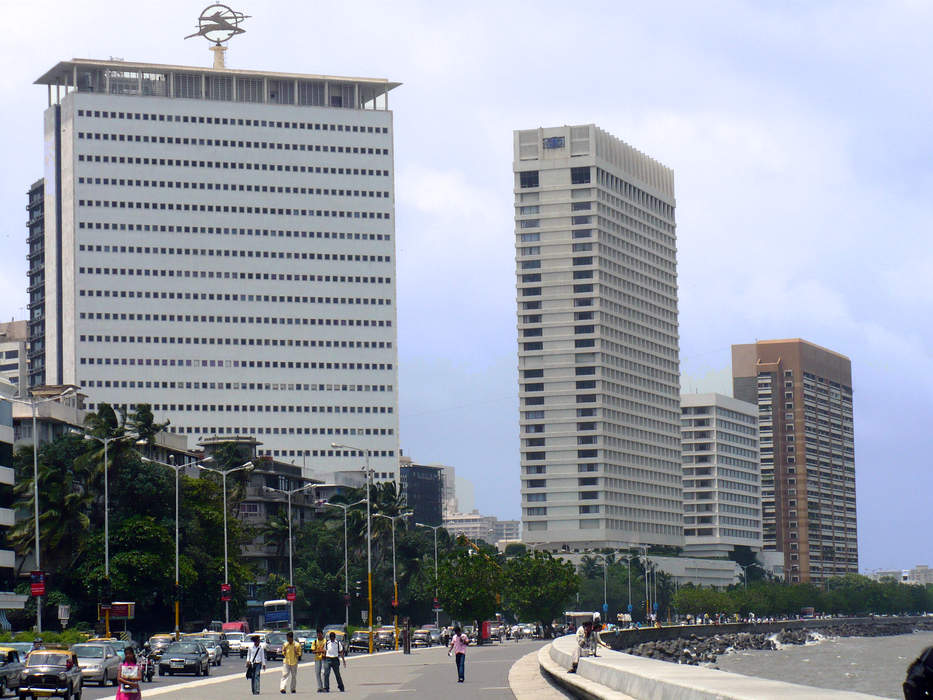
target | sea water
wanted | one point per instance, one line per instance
(873, 665)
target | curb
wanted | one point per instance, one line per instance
(577, 686)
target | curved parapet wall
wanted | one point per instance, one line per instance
(617, 675)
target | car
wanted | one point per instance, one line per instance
(119, 645)
(421, 638)
(435, 635)
(304, 638)
(11, 669)
(51, 672)
(359, 641)
(185, 657)
(157, 644)
(99, 662)
(274, 643)
(236, 642)
(221, 639)
(214, 650)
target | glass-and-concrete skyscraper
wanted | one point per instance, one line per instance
(599, 388)
(220, 244)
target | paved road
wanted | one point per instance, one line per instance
(426, 673)
(231, 666)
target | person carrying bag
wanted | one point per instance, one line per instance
(255, 663)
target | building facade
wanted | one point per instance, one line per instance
(598, 365)
(220, 244)
(8, 599)
(722, 477)
(422, 486)
(807, 444)
(14, 354)
(35, 226)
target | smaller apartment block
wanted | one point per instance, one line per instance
(722, 479)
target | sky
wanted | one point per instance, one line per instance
(799, 137)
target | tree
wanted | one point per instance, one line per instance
(470, 584)
(537, 586)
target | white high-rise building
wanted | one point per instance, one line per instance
(221, 244)
(722, 475)
(598, 341)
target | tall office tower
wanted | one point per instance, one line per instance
(35, 206)
(598, 344)
(804, 398)
(722, 477)
(220, 243)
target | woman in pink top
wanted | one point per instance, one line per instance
(458, 644)
(128, 678)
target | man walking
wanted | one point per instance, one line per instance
(333, 651)
(317, 646)
(291, 655)
(255, 663)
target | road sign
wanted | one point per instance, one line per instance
(122, 610)
(290, 594)
(37, 583)
(437, 605)
(655, 606)
(364, 614)
(64, 612)
(630, 607)
(605, 607)
(225, 592)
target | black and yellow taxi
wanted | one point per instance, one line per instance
(51, 673)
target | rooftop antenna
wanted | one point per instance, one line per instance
(218, 24)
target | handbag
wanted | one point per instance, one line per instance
(249, 669)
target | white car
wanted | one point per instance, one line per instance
(215, 652)
(237, 641)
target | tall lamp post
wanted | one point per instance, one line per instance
(291, 571)
(745, 571)
(223, 479)
(435, 528)
(392, 519)
(106, 443)
(647, 590)
(369, 534)
(33, 403)
(346, 560)
(177, 468)
(628, 563)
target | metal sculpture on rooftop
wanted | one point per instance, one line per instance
(219, 23)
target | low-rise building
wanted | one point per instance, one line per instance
(482, 527)
(8, 599)
(14, 354)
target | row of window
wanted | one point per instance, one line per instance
(244, 364)
(264, 408)
(282, 321)
(230, 143)
(235, 275)
(236, 386)
(201, 340)
(232, 231)
(231, 187)
(231, 209)
(245, 298)
(228, 165)
(232, 121)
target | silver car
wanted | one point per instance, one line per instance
(215, 652)
(100, 663)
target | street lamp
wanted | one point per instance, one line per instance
(392, 519)
(106, 443)
(223, 479)
(346, 561)
(33, 403)
(745, 571)
(177, 468)
(288, 494)
(628, 563)
(435, 528)
(369, 534)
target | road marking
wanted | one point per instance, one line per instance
(497, 687)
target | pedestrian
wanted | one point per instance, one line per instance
(255, 663)
(128, 677)
(458, 645)
(317, 646)
(291, 655)
(333, 651)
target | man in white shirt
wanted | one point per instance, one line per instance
(256, 662)
(333, 651)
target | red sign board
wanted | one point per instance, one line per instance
(437, 605)
(225, 592)
(290, 594)
(37, 583)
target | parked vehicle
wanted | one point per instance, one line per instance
(51, 672)
(185, 657)
(11, 669)
(99, 662)
(359, 641)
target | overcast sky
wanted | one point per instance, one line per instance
(799, 134)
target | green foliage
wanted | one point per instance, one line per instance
(470, 585)
(538, 586)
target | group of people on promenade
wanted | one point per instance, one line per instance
(327, 655)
